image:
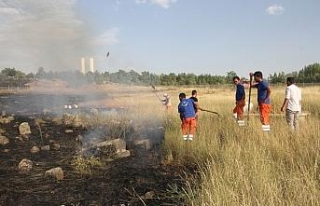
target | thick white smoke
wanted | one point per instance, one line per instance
(43, 33)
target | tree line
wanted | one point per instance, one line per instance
(14, 77)
(308, 74)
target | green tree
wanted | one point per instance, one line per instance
(230, 76)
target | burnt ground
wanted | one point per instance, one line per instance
(140, 179)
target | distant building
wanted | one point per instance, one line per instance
(83, 66)
(91, 65)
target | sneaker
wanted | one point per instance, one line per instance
(266, 128)
(185, 137)
(190, 138)
(241, 123)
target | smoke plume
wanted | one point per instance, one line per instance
(38, 33)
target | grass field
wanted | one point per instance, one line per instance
(244, 166)
(234, 165)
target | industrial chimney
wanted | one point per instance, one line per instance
(91, 65)
(83, 66)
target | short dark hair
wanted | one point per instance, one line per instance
(235, 78)
(291, 80)
(258, 74)
(182, 95)
(194, 92)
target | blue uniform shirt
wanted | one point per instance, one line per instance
(186, 108)
(262, 92)
(240, 94)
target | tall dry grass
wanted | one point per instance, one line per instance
(244, 166)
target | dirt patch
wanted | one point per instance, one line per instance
(140, 179)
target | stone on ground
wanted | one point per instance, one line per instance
(56, 173)
(25, 166)
(4, 140)
(24, 128)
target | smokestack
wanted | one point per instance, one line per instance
(83, 66)
(91, 65)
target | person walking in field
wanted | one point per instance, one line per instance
(292, 104)
(240, 101)
(187, 116)
(194, 95)
(167, 101)
(264, 101)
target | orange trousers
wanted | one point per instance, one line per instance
(189, 125)
(239, 109)
(264, 110)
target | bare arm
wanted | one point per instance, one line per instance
(196, 106)
(284, 104)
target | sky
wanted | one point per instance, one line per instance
(160, 36)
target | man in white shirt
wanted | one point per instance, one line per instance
(292, 103)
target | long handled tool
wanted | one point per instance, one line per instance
(249, 100)
(205, 110)
(154, 91)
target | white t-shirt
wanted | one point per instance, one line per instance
(293, 95)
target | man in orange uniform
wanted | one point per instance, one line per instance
(240, 100)
(264, 101)
(187, 116)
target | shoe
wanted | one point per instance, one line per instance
(266, 128)
(241, 123)
(185, 137)
(190, 137)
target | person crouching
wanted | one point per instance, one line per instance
(187, 116)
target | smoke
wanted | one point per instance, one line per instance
(49, 34)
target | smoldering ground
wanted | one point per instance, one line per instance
(138, 179)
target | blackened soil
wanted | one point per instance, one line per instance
(140, 179)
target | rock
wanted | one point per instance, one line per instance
(45, 147)
(144, 143)
(24, 128)
(6, 150)
(119, 144)
(34, 149)
(4, 140)
(149, 195)
(25, 166)
(122, 154)
(6, 120)
(56, 173)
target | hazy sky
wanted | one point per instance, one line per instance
(161, 36)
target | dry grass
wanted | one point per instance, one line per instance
(238, 166)
(244, 166)
(86, 166)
